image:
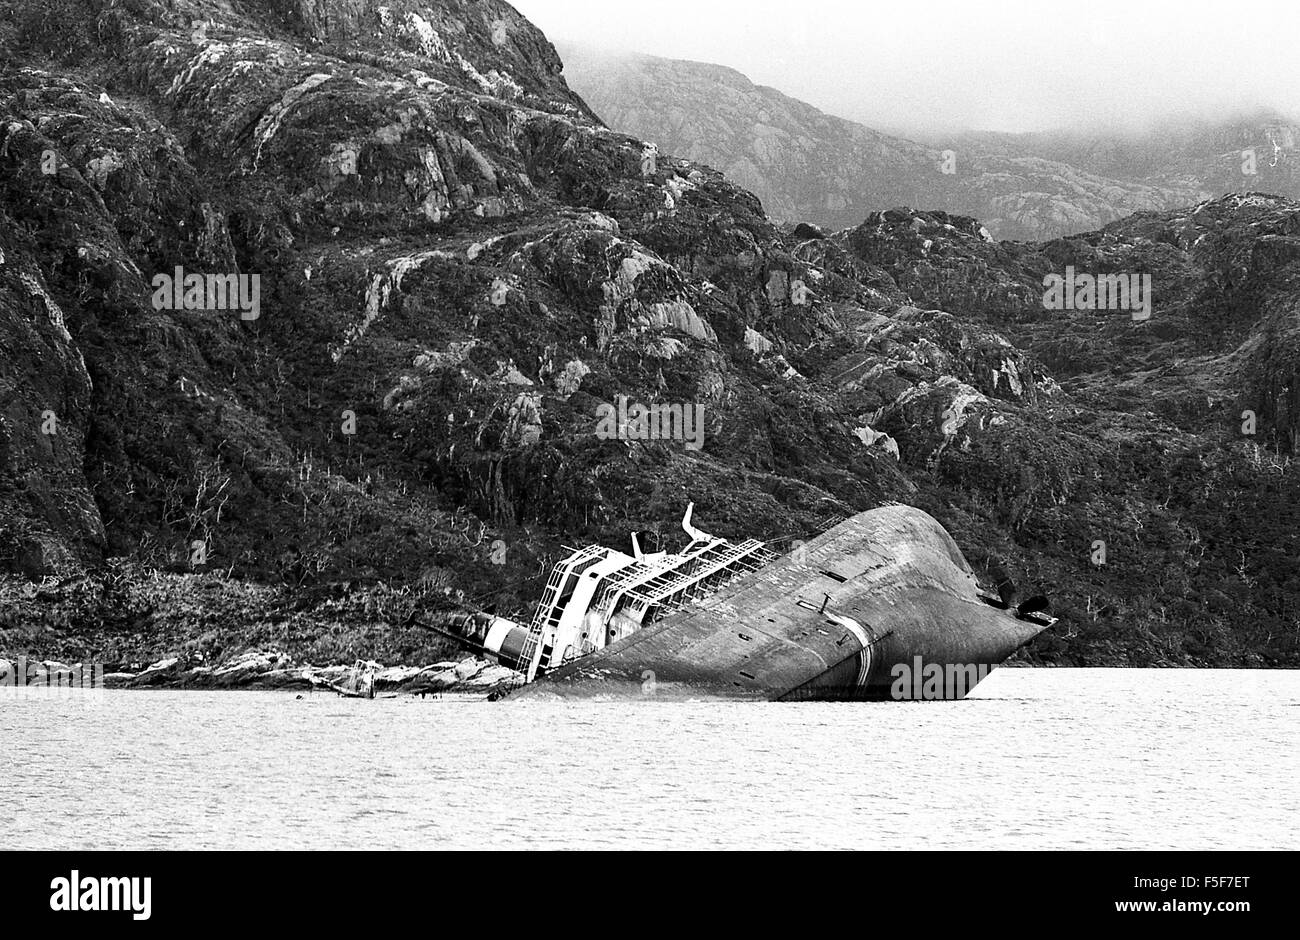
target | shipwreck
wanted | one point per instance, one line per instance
(882, 606)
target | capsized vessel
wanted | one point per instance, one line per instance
(881, 606)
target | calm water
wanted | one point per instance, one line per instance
(1036, 758)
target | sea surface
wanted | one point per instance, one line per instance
(1036, 758)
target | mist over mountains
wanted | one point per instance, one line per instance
(806, 165)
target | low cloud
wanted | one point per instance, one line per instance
(951, 65)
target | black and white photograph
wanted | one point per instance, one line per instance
(648, 427)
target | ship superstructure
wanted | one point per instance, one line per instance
(599, 596)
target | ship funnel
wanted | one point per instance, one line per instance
(507, 643)
(494, 637)
(497, 638)
(636, 547)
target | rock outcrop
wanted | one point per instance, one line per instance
(265, 671)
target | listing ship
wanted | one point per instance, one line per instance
(853, 615)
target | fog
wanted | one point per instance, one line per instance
(939, 65)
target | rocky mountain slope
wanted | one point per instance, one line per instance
(459, 267)
(1253, 152)
(807, 166)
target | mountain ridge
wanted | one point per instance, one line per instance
(816, 167)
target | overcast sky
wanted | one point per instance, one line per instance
(978, 64)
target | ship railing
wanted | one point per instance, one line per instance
(630, 574)
(732, 561)
(748, 564)
(641, 572)
(548, 609)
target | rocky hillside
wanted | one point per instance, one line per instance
(811, 167)
(805, 166)
(458, 267)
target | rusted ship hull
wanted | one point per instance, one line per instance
(881, 607)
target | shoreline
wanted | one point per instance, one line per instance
(269, 671)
